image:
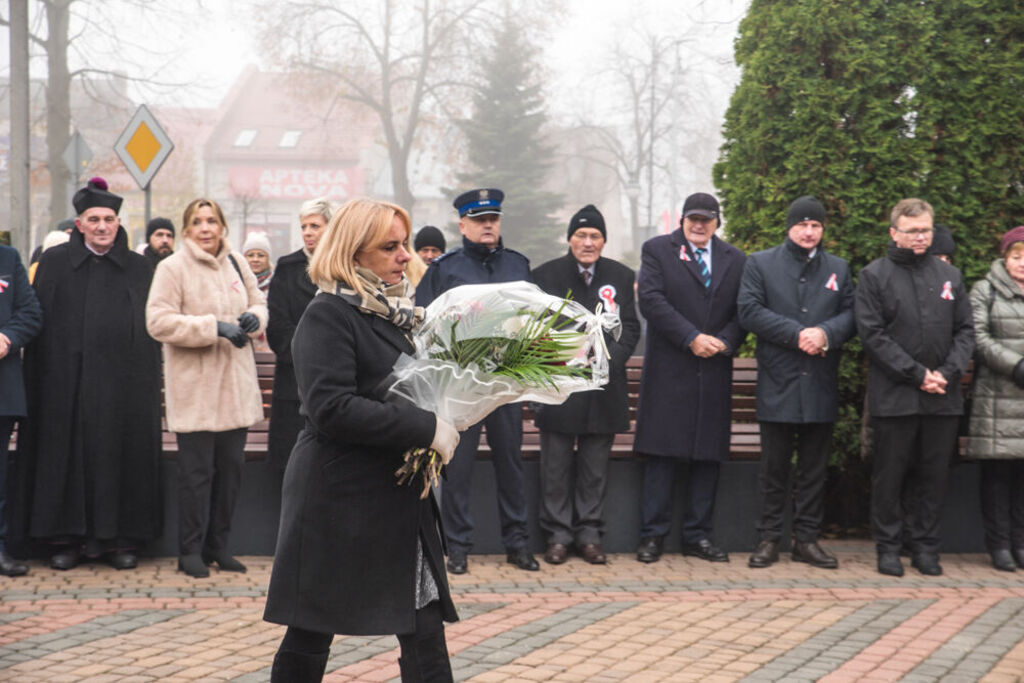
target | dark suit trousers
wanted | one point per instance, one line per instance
(209, 478)
(562, 493)
(6, 427)
(914, 451)
(701, 488)
(1002, 503)
(811, 441)
(505, 437)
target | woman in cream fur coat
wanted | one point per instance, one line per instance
(205, 306)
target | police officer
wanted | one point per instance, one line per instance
(482, 259)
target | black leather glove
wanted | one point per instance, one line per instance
(233, 333)
(1018, 373)
(249, 322)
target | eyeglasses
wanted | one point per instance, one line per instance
(916, 233)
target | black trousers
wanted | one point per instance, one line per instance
(811, 441)
(1002, 503)
(912, 451)
(209, 478)
(6, 428)
(505, 437)
(701, 489)
(303, 654)
(572, 486)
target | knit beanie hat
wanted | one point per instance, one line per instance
(158, 223)
(1011, 236)
(429, 236)
(806, 208)
(587, 217)
(942, 241)
(256, 240)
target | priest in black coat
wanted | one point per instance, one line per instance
(582, 429)
(90, 449)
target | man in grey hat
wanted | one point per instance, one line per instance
(798, 300)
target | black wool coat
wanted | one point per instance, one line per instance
(685, 404)
(783, 290)
(290, 292)
(603, 411)
(21, 318)
(346, 550)
(913, 314)
(90, 448)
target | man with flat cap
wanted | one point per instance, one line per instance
(482, 258)
(92, 438)
(798, 300)
(429, 243)
(687, 292)
(576, 437)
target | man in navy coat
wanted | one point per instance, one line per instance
(482, 258)
(21, 318)
(798, 300)
(687, 291)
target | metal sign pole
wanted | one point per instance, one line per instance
(148, 198)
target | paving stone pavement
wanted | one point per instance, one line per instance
(679, 619)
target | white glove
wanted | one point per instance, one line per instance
(445, 440)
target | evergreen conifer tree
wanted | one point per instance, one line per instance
(506, 145)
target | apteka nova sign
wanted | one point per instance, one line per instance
(295, 183)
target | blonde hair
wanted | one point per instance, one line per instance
(193, 208)
(321, 206)
(910, 207)
(359, 224)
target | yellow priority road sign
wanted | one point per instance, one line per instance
(143, 146)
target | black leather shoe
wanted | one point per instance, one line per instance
(705, 551)
(123, 560)
(927, 564)
(557, 553)
(765, 554)
(889, 564)
(457, 563)
(194, 566)
(1002, 560)
(650, 549)
(522, 559)
(10, 566)
(223, 560)
(814, 555)
(1018, 556)
(66, 559)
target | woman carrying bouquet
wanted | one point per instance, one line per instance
(358, 554)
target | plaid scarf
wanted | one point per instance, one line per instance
(391, 302)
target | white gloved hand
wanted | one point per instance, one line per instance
(445, 440)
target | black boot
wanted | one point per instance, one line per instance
(428, 663)
(296, 667)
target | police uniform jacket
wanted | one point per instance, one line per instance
(472, 264)
(784, 290)
(21, 318)
(685, 402)
(913, 315)
(606, 410)
(290, 292)
(346, 550)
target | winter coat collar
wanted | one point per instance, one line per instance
(479, 251)
(906, 257)
(801, 254)
(79, 253)
(199, 255)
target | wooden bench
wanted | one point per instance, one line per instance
(745, 439)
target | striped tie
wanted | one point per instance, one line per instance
(704, 272)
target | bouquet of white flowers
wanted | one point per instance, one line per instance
(482, 346)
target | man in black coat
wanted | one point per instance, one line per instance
(482, 259)
(91, 442)
(687, 291)
(20, 321)
(915, 320)
(798, 300)
(573, 511)
(159, 240)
